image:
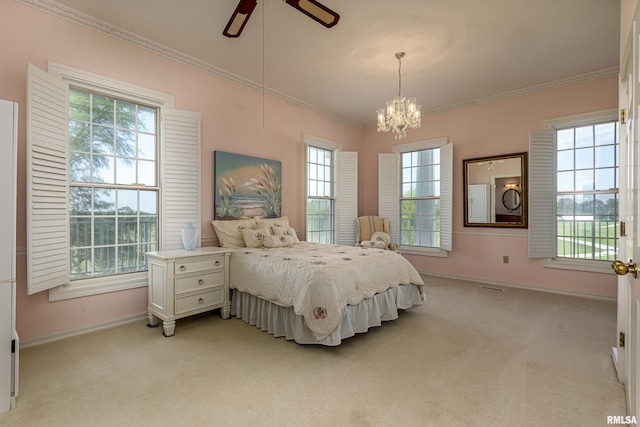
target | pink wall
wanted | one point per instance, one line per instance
(492, 129)
(232, 120)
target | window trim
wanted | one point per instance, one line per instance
(98, 285)
(328, 146)
(110, 87)
(555, 124)
(98, 83)
(334, 147)
(446, 196)
(345, 189)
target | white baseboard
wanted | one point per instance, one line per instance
(614, 356)
(80, 331)
(519, 286)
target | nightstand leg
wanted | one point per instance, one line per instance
(153, 320)
(169, 327)
(225, 312)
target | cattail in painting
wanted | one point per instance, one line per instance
(267, 186)
(227, 206)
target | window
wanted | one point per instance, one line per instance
(577, 199)
(587, 191)
(331, 190)
(112, 172)
(415, 193)
(320, 195)
(420, 198)
(113, 192)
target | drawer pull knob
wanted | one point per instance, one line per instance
(200, 282)
(201, 300)
(217, 262)
(183, 268)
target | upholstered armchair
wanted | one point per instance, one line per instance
(373, 232)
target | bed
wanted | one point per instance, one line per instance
(313, 293)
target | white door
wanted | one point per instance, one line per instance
(628, 284)
(633, 285)
(479, 202)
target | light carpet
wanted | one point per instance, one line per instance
(468, 357)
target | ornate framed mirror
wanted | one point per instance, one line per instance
(495, 191)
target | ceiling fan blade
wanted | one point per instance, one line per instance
(315, 11)
(239, 18)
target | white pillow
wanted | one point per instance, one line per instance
(254, 238)
(381, 236)
(277, 241)
(282, 222)
(279, 231)
(378, 244)
(229, 232)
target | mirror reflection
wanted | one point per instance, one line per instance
(511, 199)
(495, 191)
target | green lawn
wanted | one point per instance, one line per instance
(587, 239)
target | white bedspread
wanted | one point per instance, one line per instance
(318, 280)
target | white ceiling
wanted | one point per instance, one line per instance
(457, 51)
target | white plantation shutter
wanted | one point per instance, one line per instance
(446, 197)
(346, 197)
(389, 191)
(180, 177)
(47, 181)
(542, 210)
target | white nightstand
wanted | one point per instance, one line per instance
(183, 283)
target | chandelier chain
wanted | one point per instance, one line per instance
(399, 76)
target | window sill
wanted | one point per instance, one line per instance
(579, 265)
(96, 286)
(415, 250)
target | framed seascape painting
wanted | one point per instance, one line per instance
(246, 186)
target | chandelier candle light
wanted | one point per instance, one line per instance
(401, 113)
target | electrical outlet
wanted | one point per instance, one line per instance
(505, 259)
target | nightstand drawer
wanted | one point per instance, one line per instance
(212, 298)
(199, 281)
(185, 267)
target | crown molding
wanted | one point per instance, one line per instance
(77, 17)
(580, 78)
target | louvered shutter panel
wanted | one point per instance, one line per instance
(446, 197)
(346, 197)
(180, 176)
(389, 191)
(47, 181)
(542, 184)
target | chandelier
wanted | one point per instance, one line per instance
(401, 113)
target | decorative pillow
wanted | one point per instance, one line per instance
(277, 241)
(254, 238)
(229, 232)
(381, 236)
(279, 231)
(378, 244)
(282, 222)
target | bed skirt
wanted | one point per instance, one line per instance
(282, 321)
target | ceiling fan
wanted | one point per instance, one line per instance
(311, 8)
